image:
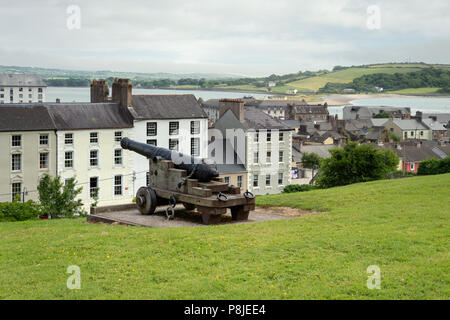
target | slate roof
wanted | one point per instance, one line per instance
(299, 150)
(434, 125)
(292, 123)
(183, 106)
(443, 118)
(379, 122)
(79, 116)
(311, 109)
(410, 152)
(409, 124)
(258, 120)
(350, 112)
(21, 79)
(357, 125)
(231, 168)
(29, 117)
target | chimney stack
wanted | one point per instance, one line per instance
(419, 116)
(99, 91)
(122, 92)
(235, 105)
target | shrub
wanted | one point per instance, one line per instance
(356, 163)
(298, 188)
(58, 200)
(19, 211)
(434, 166)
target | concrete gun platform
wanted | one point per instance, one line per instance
(130, 215)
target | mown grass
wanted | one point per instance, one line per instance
(400, 225)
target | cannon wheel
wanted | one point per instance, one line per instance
(146, 200)
(189, 206)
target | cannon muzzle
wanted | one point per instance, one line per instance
(199, 168)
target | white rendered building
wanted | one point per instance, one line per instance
(22, 88)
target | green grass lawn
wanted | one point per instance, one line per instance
(402, 226)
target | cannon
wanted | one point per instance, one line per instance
(175, 178)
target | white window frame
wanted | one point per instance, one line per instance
(118, 157)
(47, 161)
(152, 129)
(94, 158)
(116, 186)
(71, 159)
(13, 162)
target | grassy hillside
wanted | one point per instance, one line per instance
(347, 75)
(401, 225)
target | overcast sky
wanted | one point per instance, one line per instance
(246, 37)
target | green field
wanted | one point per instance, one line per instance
(345, 76)
(402, 226)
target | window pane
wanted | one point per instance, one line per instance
(16, 141)
(94, 158)
(173, 144)
(151, 128)
(195, 146)
(195, 127)
(68, 159)
(43, 139)
(173, 128)
(94, 137)
(68, 138)
(118, 156)
(16, 189)
(93, 187)
(118, 185)
(117, 136)
(16, 162)
(43, 161)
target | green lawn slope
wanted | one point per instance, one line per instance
(402, 226)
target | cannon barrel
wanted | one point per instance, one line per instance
(203, 171)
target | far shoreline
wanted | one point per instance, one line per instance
(332, 100)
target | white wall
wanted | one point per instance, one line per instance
(106, 169)
(35, 95)
(139, 133)
(274, 167)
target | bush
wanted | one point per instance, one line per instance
(433, 166)
(298, 188)
(19, 211)
(356, 163)
(58, 200)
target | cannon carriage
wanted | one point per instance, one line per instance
(175, 178)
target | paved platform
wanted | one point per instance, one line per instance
(185, 218)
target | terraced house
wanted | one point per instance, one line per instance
(82, 141)
(22, 88)
(28, 141)
(267, 150)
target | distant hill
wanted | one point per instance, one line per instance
(47, 73)
(348, 74)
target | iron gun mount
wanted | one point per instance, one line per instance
(176, 178)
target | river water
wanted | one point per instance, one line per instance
(424, 104)
(83, 94)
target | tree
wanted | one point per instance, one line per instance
(311, 160)
(356, 163)
(58, 200)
